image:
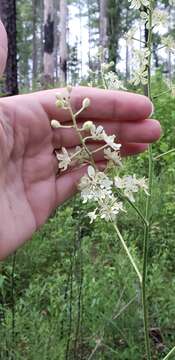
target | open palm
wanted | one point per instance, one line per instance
(29, 186)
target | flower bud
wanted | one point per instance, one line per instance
(55, 124)
(86, 103)
(59, 103)
(91, 171)
(87, 125)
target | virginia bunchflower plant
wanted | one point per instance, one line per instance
(109, 190)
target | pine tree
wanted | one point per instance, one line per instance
(114, 29)
(103, 23)
(48, 42)
(63, 42)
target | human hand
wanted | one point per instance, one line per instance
(29, 186)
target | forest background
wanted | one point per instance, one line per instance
(70, 293)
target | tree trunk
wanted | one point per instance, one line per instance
(63, 44)
(114, 29)
(103, 24)
(48, 42)
(56, 37)
(8, 15)
(34, 47)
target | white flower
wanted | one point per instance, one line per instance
(136, 4)
(93, 215)
(109, 140)
(110, 208)
(113, 156)
(140, 77)
(130, 187)
(169, 43)
(141, 56)
(130, 35)
(97, 132)
(106, 67)
(160, 17)
(143, 185)
(95, 186)
(112, 81)
(64, 159)
(130, 184)
(118, 181)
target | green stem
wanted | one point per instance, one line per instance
(164, 154)
(162, 93)
(148, 208)
(128, 253)
(169, 354)
(138, 211)
(82, 141)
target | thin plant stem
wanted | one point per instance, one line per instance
(163, 93)
(169, 354)
(13, 300)
(138, 211)
(148, 205)
(99, 149)
(82, 141)
(164, 154)
(135, 207)
(128, 253)
(124, 308)
(94, 350)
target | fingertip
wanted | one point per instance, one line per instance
(146, 106)
(133, 149)
(156, 130)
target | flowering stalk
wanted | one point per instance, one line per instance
(104, 190)
(148, 201)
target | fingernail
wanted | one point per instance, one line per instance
(152, 112)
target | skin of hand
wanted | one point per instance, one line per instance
(29, 186)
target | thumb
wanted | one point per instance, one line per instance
(3, 48)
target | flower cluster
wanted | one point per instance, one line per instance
(169, 43)
(82, 153)
(159, 18)
(141, 75)
(99, 188)
(113, 82)
(130, 184)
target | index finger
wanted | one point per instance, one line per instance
(104, 104)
